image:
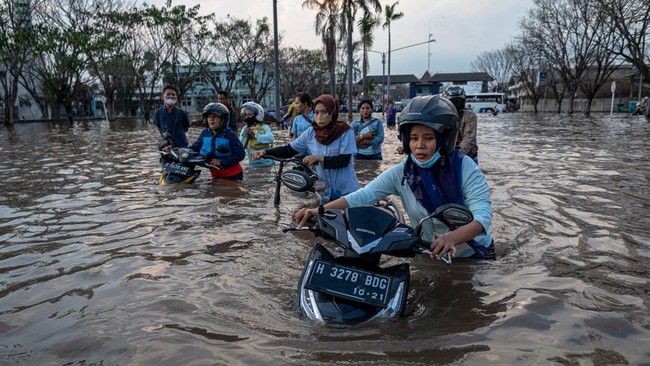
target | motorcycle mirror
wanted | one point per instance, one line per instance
(450, 214)
(456, 215)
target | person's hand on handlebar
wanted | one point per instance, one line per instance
(258, 154)
(302, 215)
(442, 245)
(312, 159)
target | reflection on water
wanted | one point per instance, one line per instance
(100, 264)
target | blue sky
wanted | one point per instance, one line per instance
(462, 29)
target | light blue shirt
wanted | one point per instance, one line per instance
(373, 126)
(476, 195)
(262, 138)
(339, 181)
(301, 124)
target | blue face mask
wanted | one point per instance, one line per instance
(429, 163)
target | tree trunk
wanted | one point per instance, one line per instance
(588, 108)
(68, 111)
(9, 113)
(572, 99)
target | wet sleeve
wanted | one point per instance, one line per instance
(476, 193)
(378, 139)
(381, 187)
(337, 161)
(285, 151)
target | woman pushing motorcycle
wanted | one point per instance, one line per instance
(219, 144)
(330, 144)
(433, 174)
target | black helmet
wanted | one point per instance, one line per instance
(217, 109)
(456, 95)
(432, 111)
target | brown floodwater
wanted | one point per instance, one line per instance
(100, 265)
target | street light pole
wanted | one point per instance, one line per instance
(397, 49)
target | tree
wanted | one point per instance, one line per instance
(108, 64)
(301, 72)
(350, 9)
(497, 64)
(602, 61)
(189, 30)
(154, 49)
(67, 35)
(17, 36)
(245, 51)
(632, 21)
(526, 65)
(367, 24)
(390, 15)
(342, 71)
(329, 22)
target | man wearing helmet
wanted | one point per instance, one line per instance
(466, 140)
(433, 174)
(219, 144)
(256, 135)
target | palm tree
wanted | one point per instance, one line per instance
(390, 15)
(366, 25)
(329, 20)
(350, 8)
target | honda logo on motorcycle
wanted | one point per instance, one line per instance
(365, 231)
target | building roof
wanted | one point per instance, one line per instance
(461, 77)
(394, 79)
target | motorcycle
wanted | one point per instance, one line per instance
(300, 178)
(353, 287)
(179, 164)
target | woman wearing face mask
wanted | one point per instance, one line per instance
(433, 174)
(256, 135)
(329, 144)
(171, 119)
(369, 133)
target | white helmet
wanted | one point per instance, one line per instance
(256, 109)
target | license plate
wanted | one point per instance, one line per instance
(349, 283)
(177, 168)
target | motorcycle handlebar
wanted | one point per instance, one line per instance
(292, 159)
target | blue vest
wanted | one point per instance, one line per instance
(439, 185)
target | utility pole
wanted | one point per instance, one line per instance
(277, 61)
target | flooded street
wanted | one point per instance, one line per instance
(101, 265)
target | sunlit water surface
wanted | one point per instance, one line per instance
(101, 265)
